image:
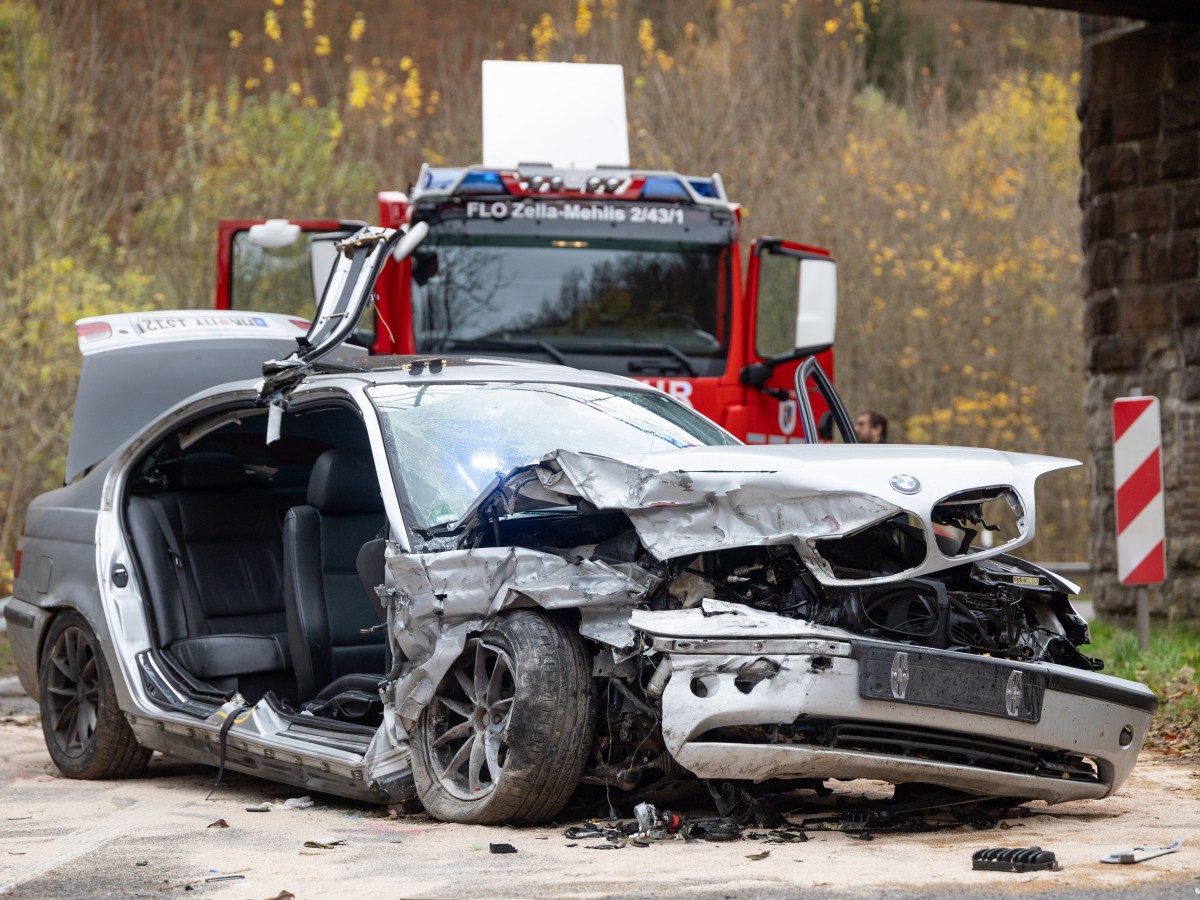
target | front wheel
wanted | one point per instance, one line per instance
(86, 732)
(505, 738)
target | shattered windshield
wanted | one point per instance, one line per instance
(445, 442)
(592, 295)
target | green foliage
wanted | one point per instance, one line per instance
(40, 367)
(7, 666)
(57, 266)
(1169, 669)
(248, 156)
(946, 193)
(895, 44)
(45, 127)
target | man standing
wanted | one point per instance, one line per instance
(871, 427)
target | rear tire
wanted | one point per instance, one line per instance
(86, 732)
(506, 736)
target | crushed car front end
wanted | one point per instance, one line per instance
(805, 612)
(756, 696)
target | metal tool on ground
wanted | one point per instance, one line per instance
(1139, 854)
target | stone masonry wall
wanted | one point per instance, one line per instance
(1140, 146)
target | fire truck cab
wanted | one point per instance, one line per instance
(604, 267)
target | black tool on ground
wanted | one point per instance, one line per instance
(502, 848)
(1014, 859)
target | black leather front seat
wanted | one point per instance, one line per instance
(327, 608)
(211, 554)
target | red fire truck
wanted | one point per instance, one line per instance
(626, 271)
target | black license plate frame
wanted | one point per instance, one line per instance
(952, 681)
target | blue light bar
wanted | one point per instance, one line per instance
(482, 183)
(704, 187)
(657, 188)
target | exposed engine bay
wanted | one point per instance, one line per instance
(973, 602)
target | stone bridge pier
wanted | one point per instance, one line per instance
(1140, 146)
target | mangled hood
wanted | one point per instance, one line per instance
(701, 499)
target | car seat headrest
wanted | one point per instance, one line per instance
(344, 482)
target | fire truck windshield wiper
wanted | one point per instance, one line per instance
(502, 344)
(668, 350)
(624, 347)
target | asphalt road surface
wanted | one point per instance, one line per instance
(155, 837)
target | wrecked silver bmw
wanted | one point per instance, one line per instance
(481, 584)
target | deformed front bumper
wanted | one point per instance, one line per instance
(827, 704)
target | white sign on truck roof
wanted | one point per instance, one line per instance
(569, 115)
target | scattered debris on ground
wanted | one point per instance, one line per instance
(742, 815)
(1014, 859)
(305, 802)
(325, 843)
(1139, 854)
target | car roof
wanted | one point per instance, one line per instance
(425, 368)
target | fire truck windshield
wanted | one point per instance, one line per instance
(571, 296)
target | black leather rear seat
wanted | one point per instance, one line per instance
(219, 609)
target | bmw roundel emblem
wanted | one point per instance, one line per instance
(905, 484)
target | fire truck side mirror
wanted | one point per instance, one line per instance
(816, 303)
(274, 234)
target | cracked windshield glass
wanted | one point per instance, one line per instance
(444, 462)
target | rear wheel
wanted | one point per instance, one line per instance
(506, 735)
(86, 732)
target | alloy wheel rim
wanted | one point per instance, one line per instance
(470, 713)
(73, 692)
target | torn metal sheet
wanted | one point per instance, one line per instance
(728, 621)
(439, 598)
(711, 498)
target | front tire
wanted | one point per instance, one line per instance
(506, 736)
(86, 732)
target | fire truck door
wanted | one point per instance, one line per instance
(791, 299)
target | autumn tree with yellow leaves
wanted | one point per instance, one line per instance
(931, 145)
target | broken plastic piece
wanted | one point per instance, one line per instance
(583, 832)
(651, 823)
(502, 848)
(304, 802)
(1138, 854)
(712, 830)
(1015, 859)
(325, 844)
(646, 814)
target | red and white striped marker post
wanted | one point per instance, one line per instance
(1137, 475)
